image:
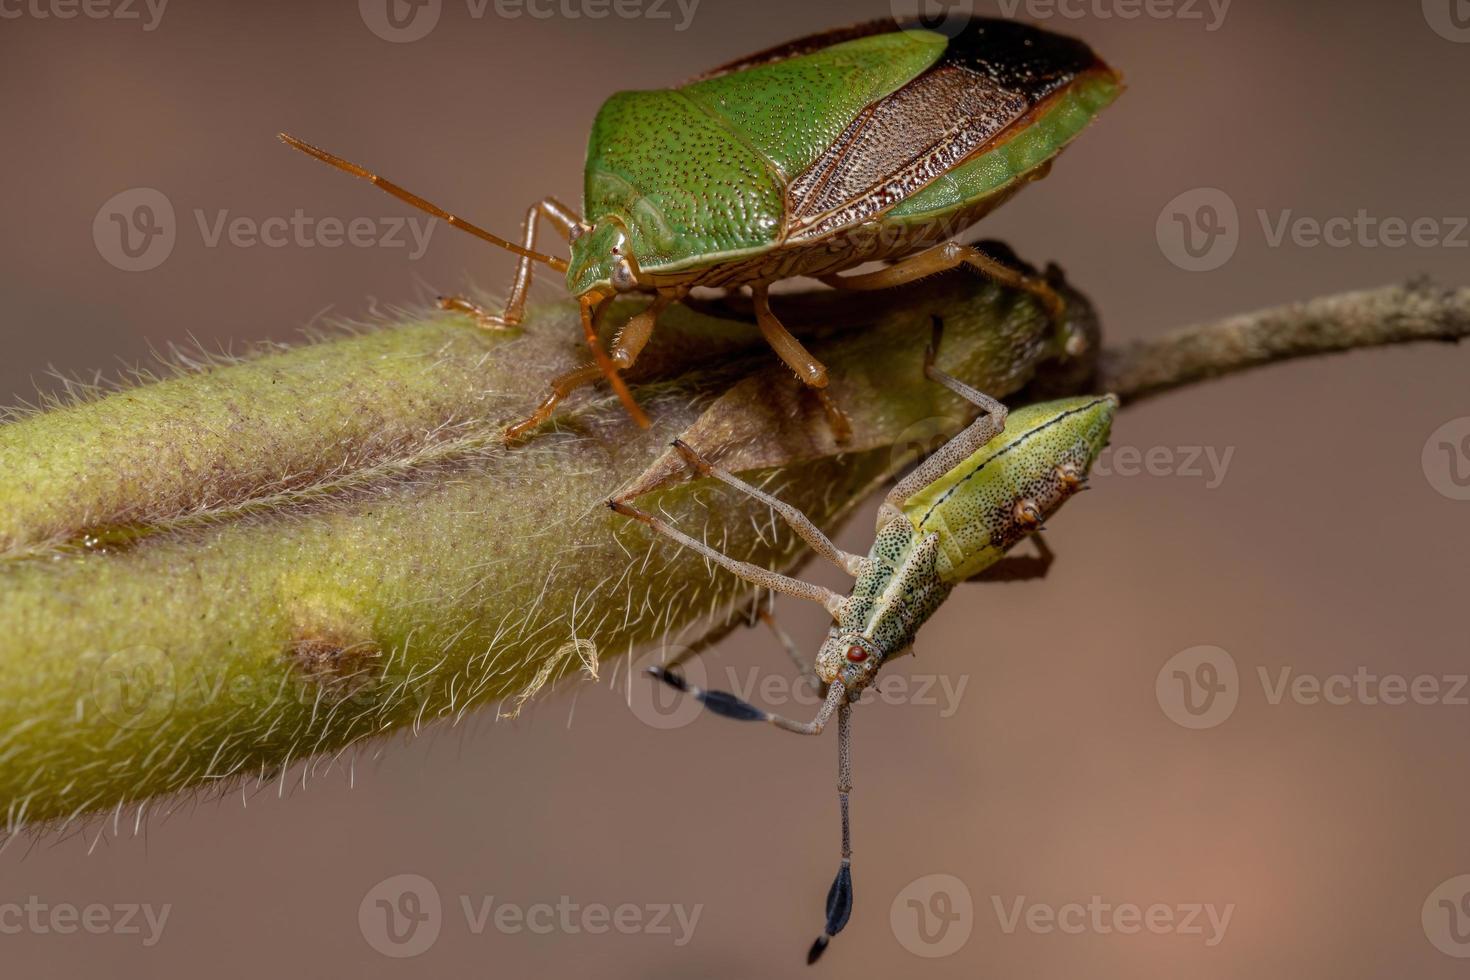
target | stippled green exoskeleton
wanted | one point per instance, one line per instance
(876, 142)
(954, 517)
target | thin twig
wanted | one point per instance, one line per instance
(1417, 311)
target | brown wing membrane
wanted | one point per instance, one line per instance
(993, 72)
(898, 145)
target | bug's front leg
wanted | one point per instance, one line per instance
(564, 221)
(626, 347)
(754, 574)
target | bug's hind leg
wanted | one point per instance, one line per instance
(564, 220)
(943, 257)
(990, 424)
(804, 667)
(809, 371)
(1019, 568)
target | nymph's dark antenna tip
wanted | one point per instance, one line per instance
(667, 676)
(818, 947)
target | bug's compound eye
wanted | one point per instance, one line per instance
(623, 279)
(856, 654)
(1027, 514)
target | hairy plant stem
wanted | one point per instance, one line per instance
(209, 577)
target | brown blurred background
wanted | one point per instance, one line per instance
(1056, 773)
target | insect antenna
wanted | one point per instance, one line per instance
(560, 265)
(839, 896)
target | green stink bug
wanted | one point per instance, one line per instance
(953, 518)
(875, 142)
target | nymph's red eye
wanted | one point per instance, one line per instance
(856, 654)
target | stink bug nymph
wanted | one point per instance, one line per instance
(875, 142)
(950, 520)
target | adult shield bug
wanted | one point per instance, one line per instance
(874, 142)
(950, 520)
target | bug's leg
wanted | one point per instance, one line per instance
(990, 424)
(754, 574)
(729, 706)
(806, 670)
(947, 256)
(628, 344)
(809, 371)
(803, 666)
(839, 896)
(1019, 568)
(563, 219)
(794, 518)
